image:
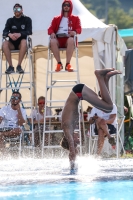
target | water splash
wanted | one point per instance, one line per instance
(28, 171)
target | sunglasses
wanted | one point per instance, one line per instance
(64, 5)
(41, 103)
(17, 9)
(16, 98)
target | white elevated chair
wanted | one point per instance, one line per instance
(51, 84)
(94, 138)
(16, 81)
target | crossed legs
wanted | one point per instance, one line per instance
(100, 123)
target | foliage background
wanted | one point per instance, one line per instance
(118, 12)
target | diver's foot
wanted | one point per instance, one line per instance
(103, 72)
(73, 171)
(112, 73)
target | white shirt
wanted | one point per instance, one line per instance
(104, 115)
(10, 116)
(37, 116)
(63, 27)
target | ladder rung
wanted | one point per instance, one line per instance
(58, 86)
(15, 73)
(54, 131)
(9, 88)
(52, 72)
(22, 102)
(25, 131)
(56, 101)
(52, 116)
(56, 106)
(51, 147)
(64, 81)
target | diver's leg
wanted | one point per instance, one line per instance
(89, 95)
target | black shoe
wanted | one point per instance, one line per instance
(10, 70)
(19, 70)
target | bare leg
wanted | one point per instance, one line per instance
(7, 47)
(22, 51)
(70, 49)
(100, 141)
(90, 96)
(55, 49)
(100, 74)
(103, 131)
(68, 129)
(110, 74)
(101, 124)
(70, 118)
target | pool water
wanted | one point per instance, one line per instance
(97, 190)
(49, 179)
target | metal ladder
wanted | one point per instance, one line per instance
(14, 81)
(51, 84)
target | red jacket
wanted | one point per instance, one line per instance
(73, 21)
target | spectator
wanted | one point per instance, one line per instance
(41, 108)
(17, 29)
(12, 117)
(88, 110)
(105, 125)
(39, 117)
(66, 25)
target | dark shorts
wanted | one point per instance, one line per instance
(16, 43)
(111, 128)
(77, 89)
(62, 41)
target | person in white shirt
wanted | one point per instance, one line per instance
(105, 125)
(38, 117)
(12, 118)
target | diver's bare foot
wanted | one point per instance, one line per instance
(112, 73)
(103, 72)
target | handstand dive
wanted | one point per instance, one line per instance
(70, 115)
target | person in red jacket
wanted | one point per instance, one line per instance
(62, 31)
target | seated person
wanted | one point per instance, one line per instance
(12, 117)
(66, 24)
(17, 29)
(105, 125)
(38, 117)
(88, 110)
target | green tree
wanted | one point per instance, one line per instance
(120, 18)
(99, 6)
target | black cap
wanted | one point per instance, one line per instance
(17, 5)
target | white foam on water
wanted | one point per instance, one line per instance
(29, 171)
